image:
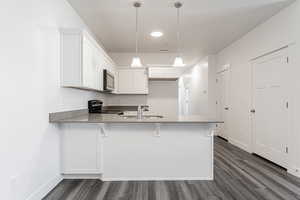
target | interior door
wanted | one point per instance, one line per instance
(186, 100)
(223, 103)
(270, 107)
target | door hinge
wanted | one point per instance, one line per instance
(217, 80)
(287, 59)
(287, 105)
(286, 150)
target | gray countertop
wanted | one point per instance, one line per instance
(82, 116)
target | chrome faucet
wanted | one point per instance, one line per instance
(140, 110)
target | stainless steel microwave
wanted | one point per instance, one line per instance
(108, 81)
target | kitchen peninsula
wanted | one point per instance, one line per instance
(115, 147)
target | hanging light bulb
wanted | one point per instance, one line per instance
(178, 62)
(136, 61)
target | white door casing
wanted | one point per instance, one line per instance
(270, 113)
(223, 106)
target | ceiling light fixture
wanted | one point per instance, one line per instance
(178, 62)
(156, 34)
(136, 61)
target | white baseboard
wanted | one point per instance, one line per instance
(100, 177)
(239, 144)
(82, 176)
(44, 189)
(158, 179)
(294, 171)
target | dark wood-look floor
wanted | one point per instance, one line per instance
(238, 175)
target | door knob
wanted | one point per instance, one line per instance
(253, 110)
(226, 108)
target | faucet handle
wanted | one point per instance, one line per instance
(145, 107)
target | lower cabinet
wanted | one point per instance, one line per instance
(81, 149)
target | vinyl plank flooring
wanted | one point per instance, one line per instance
(238, 176)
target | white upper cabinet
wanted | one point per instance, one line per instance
(167, 73)
(133, 81)
(140, 79)
(82, 61)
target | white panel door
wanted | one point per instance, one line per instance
(270, 103)
(186, 100)
(223, 103)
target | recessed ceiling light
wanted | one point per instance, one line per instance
(156, 34)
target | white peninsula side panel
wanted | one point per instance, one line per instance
(158, 152)
(81, 150)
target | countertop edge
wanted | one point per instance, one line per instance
(136, 122)
(83, 117)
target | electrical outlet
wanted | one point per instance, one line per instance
(295, 171)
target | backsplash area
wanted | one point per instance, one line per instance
(162, 98)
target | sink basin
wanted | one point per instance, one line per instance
(144, 117)
(153, 117)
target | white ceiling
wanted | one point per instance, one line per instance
(207, 25)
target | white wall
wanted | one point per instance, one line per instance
(200, 81)
(280, 30)
(29, 75)
(162, 98)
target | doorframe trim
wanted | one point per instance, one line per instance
(270, 52)
(223, 68)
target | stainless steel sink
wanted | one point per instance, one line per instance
(153, 117)
(144, 116)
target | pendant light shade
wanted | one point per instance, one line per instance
(136, 61)
(178, 62)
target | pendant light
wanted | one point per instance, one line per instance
(178, 62)
(136, 61)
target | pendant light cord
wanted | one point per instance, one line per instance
(136, 32)
(178, 32)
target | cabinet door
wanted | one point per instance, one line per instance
(81, 149)
(125, 81)
(98, 69)
(132, 81)
(87, 64)
(140, 78)
(82, 61)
